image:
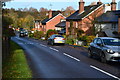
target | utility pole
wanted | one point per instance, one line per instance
(2, 3)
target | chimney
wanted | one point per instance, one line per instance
(99, 2)
(81, 6)
(50, 14)
(113, 5)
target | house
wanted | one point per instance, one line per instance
(54, 17)
(108, 24)
(37, 25)
(61, 27)
(119, 26)
(83, 18)
(119, 5)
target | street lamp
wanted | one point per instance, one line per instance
(2, 2)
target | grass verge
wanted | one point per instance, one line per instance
(16, 65)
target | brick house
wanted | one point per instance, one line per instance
(54, 17)
(37, 25)
(61, 27)
(108, 24)
(82, 19)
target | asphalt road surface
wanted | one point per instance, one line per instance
(60, 61)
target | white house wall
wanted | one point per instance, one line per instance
(107, 8)
(119, 5)
(107, 28)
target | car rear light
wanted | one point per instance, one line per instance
(55, 38)
(63, 39)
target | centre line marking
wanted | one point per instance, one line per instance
(43, 45)
(71, 57)
(54, 49)
(104, 72)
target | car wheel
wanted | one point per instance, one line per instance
(90, 54)
(103, 58)
(48, 43)
(52, 43)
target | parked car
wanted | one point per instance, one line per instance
(106, 48)
(56, 39)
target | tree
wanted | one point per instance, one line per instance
(7, 21)
(29, 22)
(68, 11)
(14, 16)
(42, 13)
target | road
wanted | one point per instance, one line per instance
(59, 61)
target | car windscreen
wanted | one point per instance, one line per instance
(112, 42)
(59, 36)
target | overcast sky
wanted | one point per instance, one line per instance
(56, 4)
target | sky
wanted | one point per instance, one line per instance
(56, 4)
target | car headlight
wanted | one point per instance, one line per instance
(110, 51)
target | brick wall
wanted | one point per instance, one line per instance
(51, 24)
(86, 24)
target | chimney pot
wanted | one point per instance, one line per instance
(50, 14)
(113, 5)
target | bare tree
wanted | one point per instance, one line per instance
(68, 11)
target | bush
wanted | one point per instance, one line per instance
(70, 41)
(49, 33)
(87, 39)
(38, 34)
(115, 32)
(31, 35)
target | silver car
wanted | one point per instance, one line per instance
(56, 39)
(108, 49)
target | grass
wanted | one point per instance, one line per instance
(16, 65)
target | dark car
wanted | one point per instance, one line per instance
(56, 39)
(106, 48)
(23, 33)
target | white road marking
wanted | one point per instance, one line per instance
(104, 72)
(71, 57)
(54, 49)
(43, 45)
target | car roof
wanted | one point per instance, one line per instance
(107, 38)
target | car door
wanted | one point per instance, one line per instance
(98, 47)
(50, 39)
(93, 46)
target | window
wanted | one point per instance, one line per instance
(95, 41)
(76, 25)
(99, 41)
(113, 26)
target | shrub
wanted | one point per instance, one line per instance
(31, 35)
(87, 39)
(82, 38)
(38, 34)
(70, 41)
(115, 32)
(49, 33)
